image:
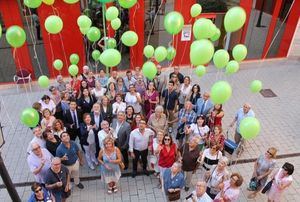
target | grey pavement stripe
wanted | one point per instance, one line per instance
(128, 174)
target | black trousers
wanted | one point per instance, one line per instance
(143, 154)
(125, 156)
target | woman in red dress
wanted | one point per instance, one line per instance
(216, 116)
(151, 99)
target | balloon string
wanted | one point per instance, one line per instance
(51, 49)
(153, 23)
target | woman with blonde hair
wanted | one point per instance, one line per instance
(263, 167)
(110, 159)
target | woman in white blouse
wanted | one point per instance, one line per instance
(199, 129)
(119, 105)
(134, 99)
(98, 91)
(185, 90)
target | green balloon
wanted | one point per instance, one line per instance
(234, 19)
(221, 58)
(129, 38)
(249, 128)
(239, 52)
(15, 36)
(196, 9)
(73, 70)
(105, 1)
(30, 117)
(255, 86)
(171, 53)
(53, 24)
(149, 70)
(93, 34)
(43, 81)
(84, 21)
(232, 67)
(216, 36)
(0, 30)
(160, 53)
(200, 70)
(110, 57)
(71, 1)
(111, 13)
(173, 22)
(148, 51)
(74, 59)
(96, 54)
(111, 43)
(58, 64)
(84, 31)
(201, 52)
(115, 23)
(127, 3)
(220, 92)
(32, 3)
(203, 29)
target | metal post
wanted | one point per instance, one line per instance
(104, 32)
(227, 40)
(8, 183)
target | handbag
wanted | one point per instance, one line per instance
(253, 184)
(122, 165)
(174, 196)
(267, 187)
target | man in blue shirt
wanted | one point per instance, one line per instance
(70, 156)
(242, 113)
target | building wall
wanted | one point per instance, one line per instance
(295, 46)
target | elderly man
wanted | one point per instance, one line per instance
(122, 131)
(138, 146)
(242, 113)
(203, 105)
(190, 152)
(199, 195)
(85, 72)
(39, 161)
(70, 156)
(178, 74)
(61, 85)
(105, 132)
(113, 77)
(58, 180)
(38, 138)
(158, 120)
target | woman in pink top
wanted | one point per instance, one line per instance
(151, 99)
(282, 179)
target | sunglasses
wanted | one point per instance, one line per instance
(38, 190)
(270, 153)
(167, 139)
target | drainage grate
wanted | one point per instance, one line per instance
(267, 93)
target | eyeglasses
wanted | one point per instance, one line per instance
(34, 149)
(234, 179)
(38, 190)
(270, 153)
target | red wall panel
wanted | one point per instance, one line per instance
(183, 47)
(247, 5)
(70, 40)
(136, 23)
(11, 16)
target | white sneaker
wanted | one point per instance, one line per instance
(92, 167)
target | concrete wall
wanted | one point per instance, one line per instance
(295, 46)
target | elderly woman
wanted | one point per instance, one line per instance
(134, 99)
(47, 103)
(110, 158)
(87, 140)
(157, 142)
(263, 167)
(52, 141)
(40, 194)
(230, 190)
(105, 132)
(216, 176)
(119, 105)
(47, 120)
(199, 129)
(151, 99)
(173, 181)
(190, 153)
(211, 156)
(282, 179)
(158, 120)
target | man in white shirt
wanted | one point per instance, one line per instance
(199, 195)
(38, 138)
(113, 77)
(138, 146)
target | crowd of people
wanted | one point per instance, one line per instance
(107, 122)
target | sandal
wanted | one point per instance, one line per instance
(115, 189)
(109, 190)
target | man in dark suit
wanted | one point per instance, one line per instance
(96, 120)
(122, 132)
(72, 120)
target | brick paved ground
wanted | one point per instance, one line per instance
(278, 117)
